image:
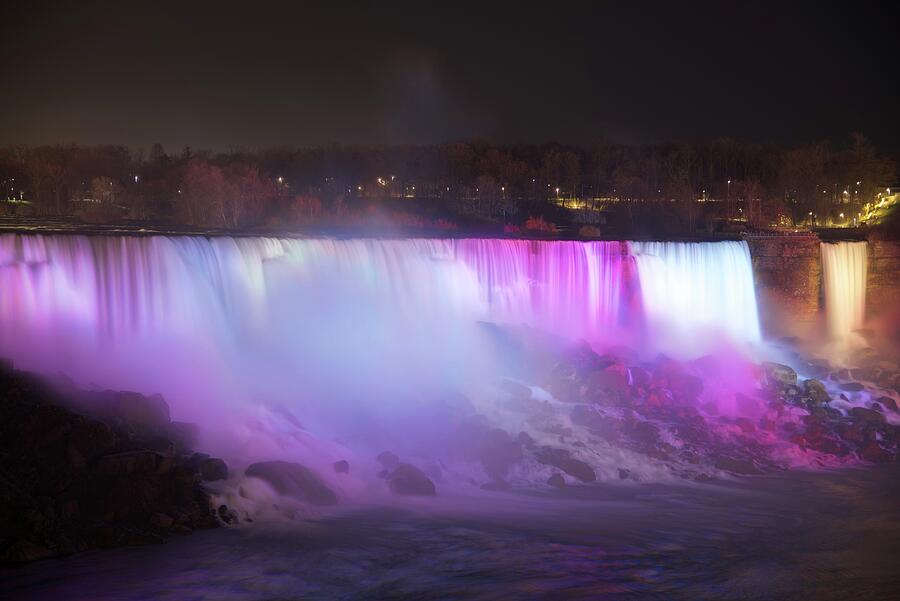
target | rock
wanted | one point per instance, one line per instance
(496, 486)
(851, 387)
(779, 374)
(873, 453)
(161, 521)
(623, 473)
(816, 391)
(747, 426)
(388, 459)
(24, 550)
(888, 402)
(556, 480)
(136, 408)
(183, 434)
(867, 416)
(226, 515)
(213, 469)
(736, 466)
(342, 466)
(407, 479)
(875, 406)
(563, 460)
(526, 440)
(129, 462)
(294, 480)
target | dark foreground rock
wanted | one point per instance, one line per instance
(294, 480)
(407, 479)
(70, 483)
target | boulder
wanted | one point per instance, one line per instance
(778, 374)
(816, 391)
(563, 460)
(556, 480)
(293, 480)
(213, 469)
(852, 387)
(868, 417)
(388, 459)
(888, 403)
(407, 479)
(129, 462)
(135, 408)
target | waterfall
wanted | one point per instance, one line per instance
(844, 266)
(690, 289)
(346, 332)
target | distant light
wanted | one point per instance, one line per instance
(842, 215)
(135, 179)
(359, 188)
(280, 180)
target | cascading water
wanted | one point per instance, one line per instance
(844, 266)
(349, 335)
(690, 289)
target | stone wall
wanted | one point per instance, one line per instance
(788, 274)
(883, 285)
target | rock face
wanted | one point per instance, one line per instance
(70, 483)
(407, 479)
(213, 469)
(780, 374)
(294, 480)
(563, 460)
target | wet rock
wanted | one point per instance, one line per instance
(747, 426)
(556, 480)
(136, 408)
(342, 466)
(851, 387)
(563, 460)
(526, 440)
(736, 466)
(227, 515)
(161, 521)
(868, 417)
(294, 480)
(816, 392)
(213, 469)
(24, 550)
(388, 459)
(407, 479)
(129, 462)
(873, 453)
(888, 403)
(183, 434)
(496, 486)
(778, 374)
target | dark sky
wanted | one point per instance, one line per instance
(255, 73)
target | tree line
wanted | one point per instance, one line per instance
(761, 184)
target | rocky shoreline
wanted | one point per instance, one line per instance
(97, 469)
(122, 475)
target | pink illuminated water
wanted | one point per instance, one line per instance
(346, 333)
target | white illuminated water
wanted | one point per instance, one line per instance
(844, 267)
(346, 333)
(692, 291)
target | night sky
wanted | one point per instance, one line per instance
(255, 73)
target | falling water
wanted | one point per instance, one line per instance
(347, 333)
(844, 266)
(690, 289)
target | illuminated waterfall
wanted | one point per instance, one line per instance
(844, 266)
(346, 332)
(690, 289)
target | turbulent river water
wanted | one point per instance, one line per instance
(800, 535)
